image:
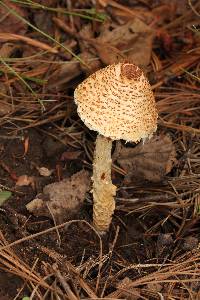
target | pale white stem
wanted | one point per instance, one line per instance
(103, 189)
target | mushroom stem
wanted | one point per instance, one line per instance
(103, 189)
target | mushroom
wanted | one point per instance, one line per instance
(118, 103)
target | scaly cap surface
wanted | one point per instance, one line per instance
(117, 102)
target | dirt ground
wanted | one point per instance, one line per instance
(48, 246)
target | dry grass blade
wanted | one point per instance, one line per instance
(15, 37)
(185, 270)
(11, 263)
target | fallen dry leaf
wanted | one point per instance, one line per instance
(86, 33)
(88, 53)
(5, 108)
(165, 240)
(25, 180)
(133, 38)
(156, 287)
(62, 75)
(44, 171)
(7, 49)
(92, 63)
(10, 22)
(132, 294)
(190, 243)
(9, 170)
(167, 11)
(109, 54)
(69, 155)
(64, 197)
(26, 145)
(43, 18)
(151, 161)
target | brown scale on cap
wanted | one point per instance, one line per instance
(131, 72)
(118, 102)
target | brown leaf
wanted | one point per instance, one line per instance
(190, 243)
(167, 11)
(88, 53)
(134, 37)
(26, 145)
(10, 22)
(25, 180)
(62, 75)
(9, 170)
(109, 54)
(86, 33)
(42, 19)
(132, 293)
(7, 50)
(44, 171)
(92, 64)
(5, 108)
(69, 155)
(64, 197)
(156, 287)
(151, 161)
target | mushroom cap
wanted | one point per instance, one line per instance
(117, 102)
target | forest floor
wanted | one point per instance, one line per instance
(48, 246)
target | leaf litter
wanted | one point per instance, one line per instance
(61, 199)
(9, 22)
(150, 160)
(152, 249)
(134, 39)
